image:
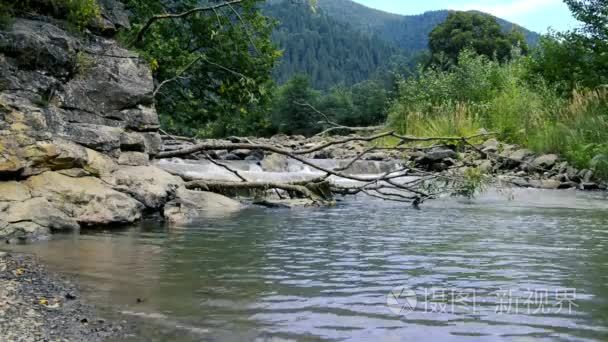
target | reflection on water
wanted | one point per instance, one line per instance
(325, 274)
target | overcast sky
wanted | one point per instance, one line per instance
(536, 15)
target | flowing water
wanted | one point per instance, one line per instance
(518, 265)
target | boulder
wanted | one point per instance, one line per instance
(89, 200)
(190, 206)
(521, 155)
(545, 162)
(437, 155)
(113, 17)
(40, 211)
(32, 219)
(490, 146)
(148, 184)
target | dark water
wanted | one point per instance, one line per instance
(533, 267)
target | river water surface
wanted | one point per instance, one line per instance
(513, 266)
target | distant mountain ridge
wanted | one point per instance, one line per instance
(408, 32)
(344, 42)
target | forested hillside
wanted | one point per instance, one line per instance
(327, 50)
(343, 42)
(407, 32)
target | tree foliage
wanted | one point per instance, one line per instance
(577, 58)
(363, 104)
(214, 66)
(478, 32)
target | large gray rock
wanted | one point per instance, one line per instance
(521, 155)
(545, 162)
(33, 218)
(113, 17)
(148, 184)
(490, 146)
(88, 200)
(190, 206)
(438, 155)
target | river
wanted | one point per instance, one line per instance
(509, 265)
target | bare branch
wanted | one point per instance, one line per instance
(177, 76)
(336, 126)
(224, 166)
(153, 19)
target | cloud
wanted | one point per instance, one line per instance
(512, 8)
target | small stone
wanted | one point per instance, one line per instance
(230, 156)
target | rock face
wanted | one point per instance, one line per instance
(78, 128)
(88, 91)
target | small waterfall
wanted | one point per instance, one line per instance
(273, 170)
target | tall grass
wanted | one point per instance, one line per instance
(481, 93)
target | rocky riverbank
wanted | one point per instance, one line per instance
(36, 305)
(504, 164)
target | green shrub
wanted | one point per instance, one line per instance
(79, 13)
(506, 98)
(83, 64)
(6, 14)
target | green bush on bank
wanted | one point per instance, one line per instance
(507, 98)
(79, 13)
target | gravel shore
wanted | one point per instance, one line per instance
(36, 305)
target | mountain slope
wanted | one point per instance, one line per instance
(345, 42)
(407, 32)
(328, 50)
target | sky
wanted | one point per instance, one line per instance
(536, 15)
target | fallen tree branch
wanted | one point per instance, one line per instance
(307, 191)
